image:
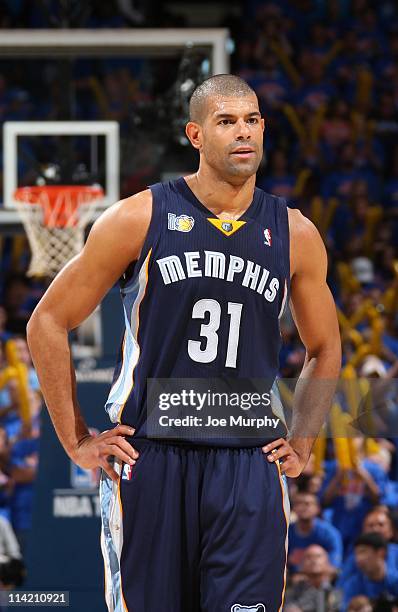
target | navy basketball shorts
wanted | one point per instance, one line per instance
(195, 529)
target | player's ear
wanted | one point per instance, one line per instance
(194, 134)
(262, 123)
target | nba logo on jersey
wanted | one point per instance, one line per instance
(182, 223)
(127, 472)
(267, 237)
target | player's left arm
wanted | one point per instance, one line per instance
(314, 312)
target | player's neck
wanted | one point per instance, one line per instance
(220, 196)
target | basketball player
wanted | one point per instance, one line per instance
(206, 264)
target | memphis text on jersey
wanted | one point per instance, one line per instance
(232, 269)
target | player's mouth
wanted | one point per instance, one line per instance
(243, 152)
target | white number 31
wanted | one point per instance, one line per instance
(209, 331)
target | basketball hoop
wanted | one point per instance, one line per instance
(54, 218)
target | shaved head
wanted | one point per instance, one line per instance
(226, 127)
(226, 85)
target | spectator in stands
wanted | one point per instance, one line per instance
(340, 181)
(23, 470)
(10, 408)
(316, 90)
(314, 590)
(9, 547)
(279, 180)
(374, 577)
(292, 607)
(17, 302)
(5, 451)
(4, 333)
(378, 520)
(360, 603)
(310, 529)
(385, 120)
(23, 356)
(5, 398)
(320, 41)
(336, 128)
(309, 481)
(351, 493)
(388, 411)
(271, 84)
(390, 196)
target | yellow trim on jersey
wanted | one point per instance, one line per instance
(284, 494)
(121, 527)
(219, 223)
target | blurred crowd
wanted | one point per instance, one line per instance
(328, 87)
(20, 407)
(326, 73)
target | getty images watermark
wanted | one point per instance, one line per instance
(206, 409)
(212, 408)
(194, 400)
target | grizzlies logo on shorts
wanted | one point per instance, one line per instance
(257, 608)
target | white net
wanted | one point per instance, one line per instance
(54, 222)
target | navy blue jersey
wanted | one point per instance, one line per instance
(204, 299)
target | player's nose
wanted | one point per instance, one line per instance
(243, 130)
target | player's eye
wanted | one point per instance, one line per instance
(225, 121)
(252, 120)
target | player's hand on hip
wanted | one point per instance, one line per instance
(290, 461)
(93, 451)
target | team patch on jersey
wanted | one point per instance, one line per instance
(267, 237)
(226, 227)
(127, 472)
(181, 223)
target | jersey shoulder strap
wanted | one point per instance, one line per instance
(152, 237)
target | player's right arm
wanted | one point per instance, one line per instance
(115, 240)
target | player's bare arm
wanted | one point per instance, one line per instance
(116, 239)
(314, 313)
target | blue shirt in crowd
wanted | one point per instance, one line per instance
(323, 534)
(349, 508)
(22, 498)
(350, 567)
(359, 584)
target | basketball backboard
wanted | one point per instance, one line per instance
(37, 151)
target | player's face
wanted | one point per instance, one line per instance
(232, 136)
